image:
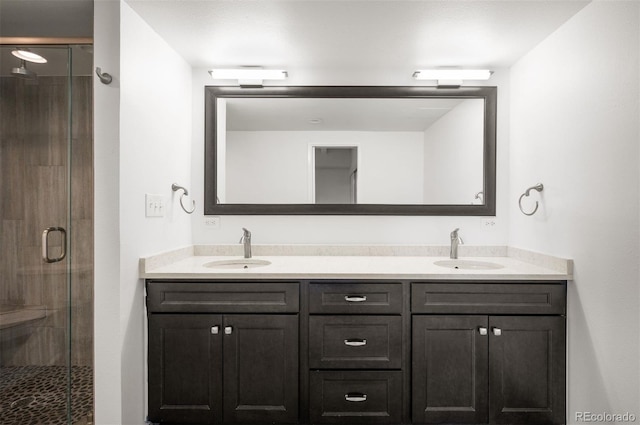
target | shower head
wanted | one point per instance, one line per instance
(23, 72)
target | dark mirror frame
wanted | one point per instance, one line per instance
(489, 94)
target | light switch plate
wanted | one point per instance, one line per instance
(155, 205)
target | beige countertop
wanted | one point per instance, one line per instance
(354, 262)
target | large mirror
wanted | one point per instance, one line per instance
(350, 150)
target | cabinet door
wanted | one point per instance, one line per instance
(261, 368)
(449, 372)
(527, 369)
(185, 377)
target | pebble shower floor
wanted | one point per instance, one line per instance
(36, 395)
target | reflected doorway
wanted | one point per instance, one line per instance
(335, 174)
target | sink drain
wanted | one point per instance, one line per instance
(23, 402)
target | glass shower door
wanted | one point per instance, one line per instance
(45, 278)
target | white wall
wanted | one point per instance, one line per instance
(382, 172)
(452, 146)
(351, 229)
(151, 151)
(106, 128)
(575, 128)
(250, 179)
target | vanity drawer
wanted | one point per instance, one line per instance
(222, 297)
(489, 298)
(355, 342)
(356, 397)
(355, 298)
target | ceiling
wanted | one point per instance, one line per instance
(338, 114)
(342, 37)
(354, 36)
(46, 18)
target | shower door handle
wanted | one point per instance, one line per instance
(45, 244)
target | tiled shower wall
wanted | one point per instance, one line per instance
(33, 179)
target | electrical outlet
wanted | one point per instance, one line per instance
(155, 205)
(212, 221)
(489, 223)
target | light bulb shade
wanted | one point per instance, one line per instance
(248, 74)
(28, 55)
(452, 74)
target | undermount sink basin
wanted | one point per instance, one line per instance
(238, 263)
(468, 264)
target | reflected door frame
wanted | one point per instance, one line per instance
(311, 161)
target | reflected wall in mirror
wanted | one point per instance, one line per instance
(350, 150)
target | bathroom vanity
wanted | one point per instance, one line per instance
(336, 340)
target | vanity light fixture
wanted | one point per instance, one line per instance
(28, 55)
(250, 76)
(452, 77)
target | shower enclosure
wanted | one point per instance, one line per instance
(46, 236)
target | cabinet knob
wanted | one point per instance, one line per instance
(355, 397)
(497, 331)
(215, 330)
(228, 330)
(482, 330)
(355, 298)
(355, 342)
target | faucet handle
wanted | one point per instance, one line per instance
(455, 236)
(246, 235)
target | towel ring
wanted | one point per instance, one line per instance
(538, 188)
(175, 187)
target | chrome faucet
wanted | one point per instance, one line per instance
(246, 241)
(455, 241)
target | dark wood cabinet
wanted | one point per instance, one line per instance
(357, 355)
(449, 369)
(356, 352)
(355, 342)
(185, 369)
(207, 368)
(356, 397)
(260, 368)
(348, 297)
(489, 369)
(527, 369)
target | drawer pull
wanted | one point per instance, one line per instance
(355, 342)
(355, 397)
(355, 298)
